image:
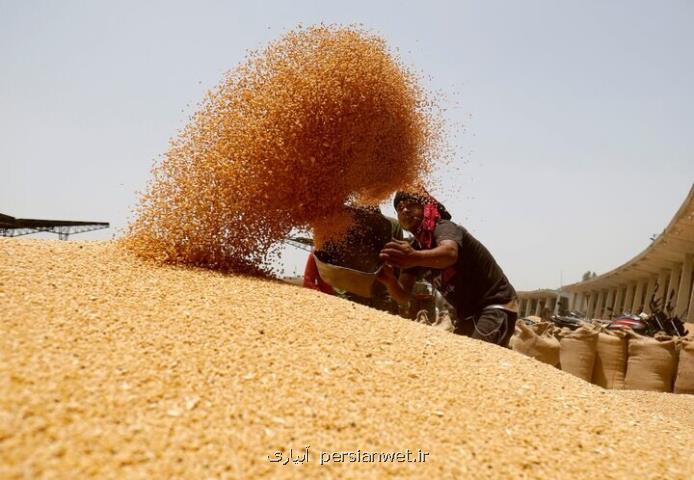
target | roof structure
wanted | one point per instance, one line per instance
(303, 243)
(14, 227)
(665, 251)
(662, 272)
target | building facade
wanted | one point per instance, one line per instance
(534, 301)
(662, 272)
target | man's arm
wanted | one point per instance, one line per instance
(401, 254)
(399, 289)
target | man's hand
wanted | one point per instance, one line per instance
(399, 253)
(399, 289)
(386, 275)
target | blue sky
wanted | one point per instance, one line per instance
(578, 138)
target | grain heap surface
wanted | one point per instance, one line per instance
(111, 367)
(665, 406)
(323, 116)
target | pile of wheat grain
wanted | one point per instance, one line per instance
(323, 116)
(112, 367)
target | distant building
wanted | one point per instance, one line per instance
(534, 301)
(663, 271)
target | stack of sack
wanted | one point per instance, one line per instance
(652, 363)
(611, 359)
(538, 341)
(684, 383)
(611, 353)
(577, 351)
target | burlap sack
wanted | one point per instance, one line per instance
(513, 338)
(610, 365)
(537, 342)
(684, 382)
(577, 352)
(651, 364)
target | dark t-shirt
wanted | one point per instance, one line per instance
(475, 281)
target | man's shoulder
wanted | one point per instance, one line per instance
(447, 226)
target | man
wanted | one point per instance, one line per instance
(458, 265)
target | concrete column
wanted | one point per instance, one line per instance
(618, 301)
(583, 304)
(591, 305)
(683, 292)
(528, 306)
(599, 308)
(690, 312)
(674, 283)
(538, 307)
(638, 296)
(629, 299)
(609, 304)
(649, 294)
(663, 277)
(578, 304)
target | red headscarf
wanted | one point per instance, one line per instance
(425, 232)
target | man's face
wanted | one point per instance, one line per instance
(410, 214)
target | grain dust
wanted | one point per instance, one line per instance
(324, 116)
